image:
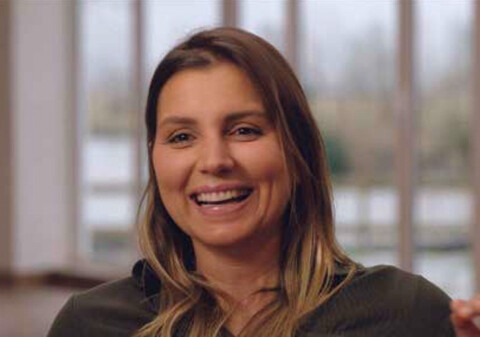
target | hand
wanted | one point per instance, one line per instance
(465, 317)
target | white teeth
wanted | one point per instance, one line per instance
(220, 196)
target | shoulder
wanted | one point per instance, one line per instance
(396, 283)
(384, 300)
(408, 299)
(399, 289)
(116, 308)
(120, 295)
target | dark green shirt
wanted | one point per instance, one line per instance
(380, 301)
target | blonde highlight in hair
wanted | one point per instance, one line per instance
(188, 304)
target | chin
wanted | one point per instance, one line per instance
(229, 237)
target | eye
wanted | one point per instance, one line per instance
(246, 132)
(180, 138)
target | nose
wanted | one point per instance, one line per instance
(215, 157)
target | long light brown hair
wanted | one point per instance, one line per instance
(309, 254)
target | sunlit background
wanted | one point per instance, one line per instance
(347, 56)
(347, 63)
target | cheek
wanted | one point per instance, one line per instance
(265, 164)
(170, 170)
(264, 161)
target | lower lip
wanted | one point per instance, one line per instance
(222, 210)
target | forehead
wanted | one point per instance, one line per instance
(219, 88)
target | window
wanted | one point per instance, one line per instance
(108, 203)
(347, 66)
(111, 159)
(168, 22)
(347, 59)
(443, 202)
(264, 18)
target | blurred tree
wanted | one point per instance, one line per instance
(337, 156)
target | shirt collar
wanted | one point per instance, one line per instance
(148, 281)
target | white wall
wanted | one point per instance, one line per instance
(41, 114)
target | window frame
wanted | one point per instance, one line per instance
(405, 124)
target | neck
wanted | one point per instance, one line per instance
(240, 271)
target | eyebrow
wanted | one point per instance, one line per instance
(231, 117)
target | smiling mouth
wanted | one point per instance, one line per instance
(220, 198)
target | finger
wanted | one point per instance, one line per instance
(465, 311)
(464, 328)
(476, 322)
(475, 303)
(460, 322)
(467, 308)
(456, 304)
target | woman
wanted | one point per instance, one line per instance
(238, 234)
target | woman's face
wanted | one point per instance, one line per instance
(220, 169)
